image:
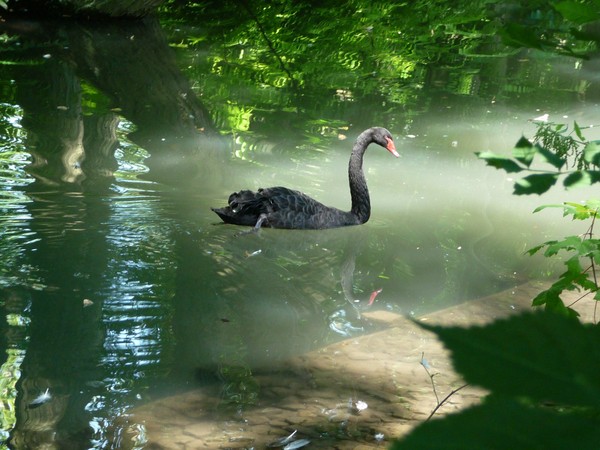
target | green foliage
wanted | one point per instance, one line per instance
(8, 393)
(555, 147)
(523, 155)
(552, 27)
(560, 139)
(580, 12)
(580, 248)
(563, 150)
(541, 370)
(309, 55)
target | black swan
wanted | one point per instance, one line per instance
(280, 207)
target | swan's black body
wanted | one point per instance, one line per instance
(280, 207)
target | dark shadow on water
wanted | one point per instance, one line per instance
(126, 70)
(65, 342)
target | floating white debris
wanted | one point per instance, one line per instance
(281, 442)
(360, 405)
(41, 399)
(296, 444)
(250, 255)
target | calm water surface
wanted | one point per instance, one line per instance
(116, 296)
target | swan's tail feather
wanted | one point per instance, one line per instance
(245, 208)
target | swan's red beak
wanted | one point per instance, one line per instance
(391, 147)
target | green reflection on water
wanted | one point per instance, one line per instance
(286, 85)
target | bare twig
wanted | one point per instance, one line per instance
(426, 366)
(446, 398)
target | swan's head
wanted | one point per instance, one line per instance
(383, 137)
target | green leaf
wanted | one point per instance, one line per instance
(551, 157)
(575, 276)
(591, 153)
(500, 424)
(534, 250)
(589, 246)
(520, 36)
(576, 179)
(594, 175)
(595, 255)
(560, 127)
(541, 356)
(577, 12)
(499, 162)
(592, 204)
(535, 184)
(578, 132)
(550, 297)
(581, 246)
(579, 211)
(551, 301)
(524, 151)
(581, 178)
(542, 207)
(568, 243)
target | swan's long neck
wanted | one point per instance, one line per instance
(361, 203)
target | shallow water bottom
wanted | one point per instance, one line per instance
(316, 394)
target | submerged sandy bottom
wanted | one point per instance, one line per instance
(311, 393)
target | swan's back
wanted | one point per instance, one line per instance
(284, 208)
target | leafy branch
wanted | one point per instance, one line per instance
(540, 181)
(559, 149)
(562, 141)
(581, 248)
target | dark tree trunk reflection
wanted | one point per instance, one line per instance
(130, 64)
(66, 337)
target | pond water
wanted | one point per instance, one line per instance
(118, 284)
